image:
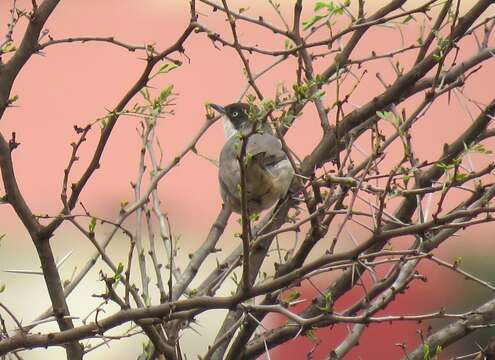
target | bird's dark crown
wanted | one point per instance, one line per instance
(237, 113)
(240, 116)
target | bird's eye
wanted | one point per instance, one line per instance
(235, 114)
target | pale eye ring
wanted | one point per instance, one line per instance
(235, 114)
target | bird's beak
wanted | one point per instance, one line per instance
(218, 108)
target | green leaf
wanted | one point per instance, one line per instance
(318, 95)
(444, 166)
(192, 293)
(234, 278)
(2, 288)
(254, 217)
(457, 261)
(321, 5)
(479, 148)
(293, 296)
(311, 335)
(166, 92)
(120, 268)
(267, 105)
(92, 225)
(118, 272)
(145, 94)
(390, 117)
(148, 350)
(309, 23)
(460, 177)
(103, 123)
(165, 68)
(426, 352)
(287, 119)
(13, 99)
(8, 47)
(237, 146)
(327, 302)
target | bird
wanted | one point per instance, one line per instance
(268, 173)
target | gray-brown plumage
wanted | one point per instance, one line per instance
(268, 172)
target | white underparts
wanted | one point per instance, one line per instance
(228, 129)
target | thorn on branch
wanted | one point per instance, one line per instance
(13, 144)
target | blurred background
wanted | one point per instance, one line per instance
(73, 84)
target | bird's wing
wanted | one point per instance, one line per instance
(229, 172)
(266, 150)
(268, 175)
(268, 145)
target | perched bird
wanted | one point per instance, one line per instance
(268, 172)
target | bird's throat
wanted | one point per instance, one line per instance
(228, 129)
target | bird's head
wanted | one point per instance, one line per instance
(236, 117)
